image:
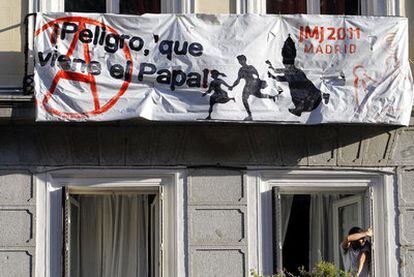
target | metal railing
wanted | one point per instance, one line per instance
(28, 79)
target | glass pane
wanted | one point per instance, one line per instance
(286, 6)
(98, 6)
(215, 6)
(139, 6)
(350, 7)
(114, 235)
(348, 218)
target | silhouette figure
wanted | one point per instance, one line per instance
(219, 95)
(253, 85)
(305, 96)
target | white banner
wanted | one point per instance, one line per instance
(304, 69)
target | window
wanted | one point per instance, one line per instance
(98, 6)
(349, 7)
(286, 7)
(116, 222)
(106, 6)
(113, 232)
(311, 225)
(139, 6)
(115, 6)
(300, 218)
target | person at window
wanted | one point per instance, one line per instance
(356, 252)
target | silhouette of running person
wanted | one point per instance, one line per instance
(253, 85)
(305, 96)
(219, 95)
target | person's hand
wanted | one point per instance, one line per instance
(368, 232)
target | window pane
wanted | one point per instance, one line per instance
(139, 6)
(286, 6)
(340, 7)
(114, 235)
(97, 6)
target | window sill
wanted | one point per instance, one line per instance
(14, 95)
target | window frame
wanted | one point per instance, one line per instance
(381, 183)
(49, 190)
(355, 199)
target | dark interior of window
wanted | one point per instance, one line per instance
(97, 6)
(285, 6)
(350, 7)
(296, 243)
(139, 6)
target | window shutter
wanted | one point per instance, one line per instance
(161, 229)
(277, 231)
(369, 196)
(66, 230)
(71, 240)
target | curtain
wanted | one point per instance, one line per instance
(155, 241)
(286, 6)
(114, 236)
(321, 228)
(286, 204)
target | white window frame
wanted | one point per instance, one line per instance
(380, 183)
(356, 199)
(49, 237)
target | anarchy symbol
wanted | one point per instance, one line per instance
(88, 78)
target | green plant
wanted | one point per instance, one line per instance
(253, 273)
(321, 269)
(325, 269)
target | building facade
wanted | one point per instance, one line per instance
(220, 199)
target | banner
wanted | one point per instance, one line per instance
(300, 69)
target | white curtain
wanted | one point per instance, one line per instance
(286, 205)
(155, 241)
(114, 236)
(321, 228)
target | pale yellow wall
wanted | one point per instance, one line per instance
(12, 14)
(215, 6)
(408, 11)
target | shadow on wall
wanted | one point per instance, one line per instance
(12, 37)
(165, 144)
(288, 145)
